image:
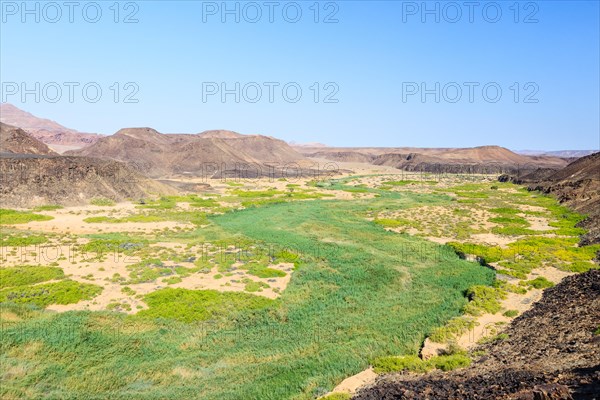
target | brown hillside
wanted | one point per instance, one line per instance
(208, 154)
(578, 186)
(483, 159)
(16, 141)
(31, 180)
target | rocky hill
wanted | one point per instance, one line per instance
(16, 141)
(207, 154)
(552, 353)
(31, 180)
(484, 159)
(49, 132)
(578, 186)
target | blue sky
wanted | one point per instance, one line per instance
(375, 61)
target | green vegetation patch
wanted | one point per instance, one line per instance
(47, 207)
(453, 328)
(101, 201)
(10, 217)
(28, 275)
(22, 239)
(408, 182)
(538, 283)
(417, 365)
(42, 295)
(199, 305)
(358, 292)
(483, 299)
(265, 272)
(337, 396)
(194, 217)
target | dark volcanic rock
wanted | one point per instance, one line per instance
(30, 180)
(552, 353)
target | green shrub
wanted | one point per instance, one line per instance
(453, 328)
(199, 305)
(509, 287)
(172, 280)
(48, 207)
(264, 272)
(28, 275)
(253, 286)
(417, 365)
(10, 217)
(22, 239)
(101, 201)
(392, 223)
(404, 363)
(42, 295)
(511, 313)
(483, 299)
(539, 283)
(493, 339)
(336, 396)
(451, 362)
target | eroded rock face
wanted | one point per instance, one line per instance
(577, 186)
(545, 392)
(14, 140)
(211, 154)
(30, 180)
(551, 353)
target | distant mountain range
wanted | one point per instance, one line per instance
(482, 159)
(56, 136)
(558, 153)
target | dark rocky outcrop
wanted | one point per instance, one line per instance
(552, 352)
(14, 140)
(31, 180)
(577, 186)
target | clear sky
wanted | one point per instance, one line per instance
(374, 58)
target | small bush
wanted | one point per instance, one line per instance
(101, 201)
(10, 217)
(492, 339)
(337, 396)
(539, 283)
(48, 207)
(451, 362)
(483, 299)
(453, 328)
(417, 365)
(199, 305)
(28, 275)
(397, 364)
(63, 292)
(511, 313)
